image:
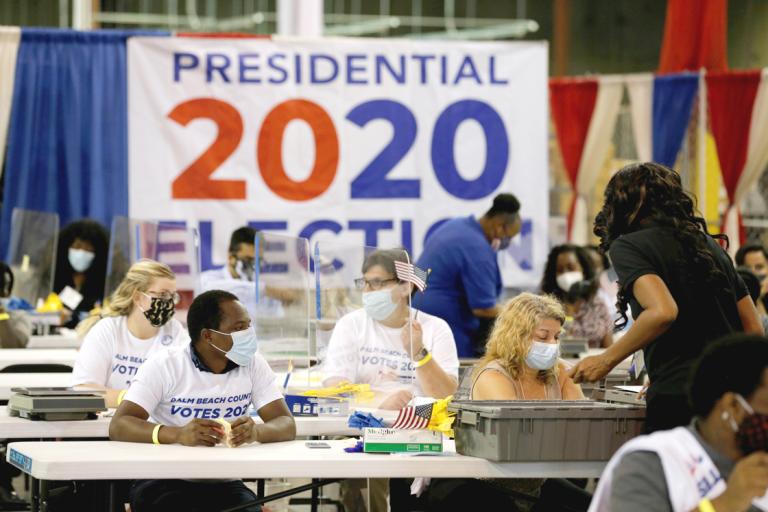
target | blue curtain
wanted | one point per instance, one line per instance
(68, 133)
(673, 97)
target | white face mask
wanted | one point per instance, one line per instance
(542, 356)
(80, 259)
(378, 304)
(568, 279)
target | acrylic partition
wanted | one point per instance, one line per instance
(32, 253)
(130, 240)
(280, 304)
(370, 343)
(173, 244)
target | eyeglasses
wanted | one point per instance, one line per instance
(175, 297)
(373, 284)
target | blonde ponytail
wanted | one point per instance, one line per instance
(138, 278)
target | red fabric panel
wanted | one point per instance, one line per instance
(223, 35)
(731, 97)
(572, 102)
(695, 36)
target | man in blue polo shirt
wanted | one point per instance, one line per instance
(465, 282)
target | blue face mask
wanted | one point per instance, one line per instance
(80, 259)
(244, 346)
(542, 356)
(378, 304)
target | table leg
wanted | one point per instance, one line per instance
(34, 495)
(111, 496)
(315, 496)
(43, 496)
(260, 487)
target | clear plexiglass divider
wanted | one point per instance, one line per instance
(130, 241)
(32, 253)
(363, 317)
(279, 303)
(174, 244)
(178, 246)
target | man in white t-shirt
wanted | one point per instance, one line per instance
(178, 396)
(239, 274)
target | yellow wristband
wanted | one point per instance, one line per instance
(4, 316)
(427, 358)
(155, 432)
(120, 396)
(706, 506)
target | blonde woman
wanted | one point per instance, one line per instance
(521, 363)
(137, 323)
(522, 356)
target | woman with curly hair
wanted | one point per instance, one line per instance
(81, 264)
(681, 285)
(570, 277)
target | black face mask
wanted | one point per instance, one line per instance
(160, 311)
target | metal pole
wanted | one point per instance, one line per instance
(82, 14)
(300, 18)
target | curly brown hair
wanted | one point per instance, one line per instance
(650, 194)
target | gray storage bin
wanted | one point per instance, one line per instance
(544, 430)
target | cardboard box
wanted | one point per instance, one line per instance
(390, 440)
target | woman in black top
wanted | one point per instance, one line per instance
(81, 263)
(681, 285)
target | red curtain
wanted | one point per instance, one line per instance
(695, 36)
(731, 97)
(572, 102)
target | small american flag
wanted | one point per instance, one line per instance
(411, 273)
(413, 417)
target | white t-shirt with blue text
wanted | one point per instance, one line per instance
(174, 391)
(111, 356)
(364, 351)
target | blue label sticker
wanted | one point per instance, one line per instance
(21, 461)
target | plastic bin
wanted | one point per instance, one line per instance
(619, 396)
(528, 431)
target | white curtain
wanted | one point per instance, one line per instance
(640, 88)
(9, 48)
(599, 135)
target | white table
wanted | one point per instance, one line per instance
(11, 356)
(36, 380)
(67, 339)
(108, 461)
(112, 460)
(19, 428)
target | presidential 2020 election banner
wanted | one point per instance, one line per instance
(360, 141)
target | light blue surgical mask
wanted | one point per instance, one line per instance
(244, 346)
(542, 356)
(378, 304)
(80, 259)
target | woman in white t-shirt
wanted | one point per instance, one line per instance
(136, 324)
(399, 351)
